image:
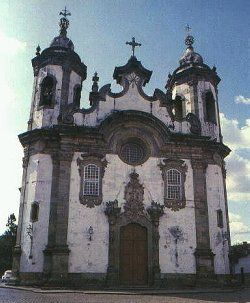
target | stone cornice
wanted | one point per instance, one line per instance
(194, 72)
(77, 136)
(59, 56)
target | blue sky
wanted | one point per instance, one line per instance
(99, 30)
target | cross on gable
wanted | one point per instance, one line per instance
(133, 44)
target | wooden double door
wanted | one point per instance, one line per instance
(133, 255)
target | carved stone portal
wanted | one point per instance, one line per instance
(134, 193)
(134, 212)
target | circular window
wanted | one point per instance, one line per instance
(133, 153)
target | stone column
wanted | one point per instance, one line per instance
(155, 211)
(204, 255)
(57, 251)
(112, 211)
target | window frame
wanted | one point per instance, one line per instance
(99, 161)
(173, 185)
(90, 180)
(175, 203)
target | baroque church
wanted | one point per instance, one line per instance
(130, 191)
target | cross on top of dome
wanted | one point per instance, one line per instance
(189, 41)
(64, 22)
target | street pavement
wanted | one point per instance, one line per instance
(8, 295)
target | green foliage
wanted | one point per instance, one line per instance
(7, 243)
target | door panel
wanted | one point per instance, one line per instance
(133, 255)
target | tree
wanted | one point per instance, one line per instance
(7, 243)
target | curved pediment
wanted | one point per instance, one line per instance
(132, 66)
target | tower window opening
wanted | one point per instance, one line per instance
(47, 90)
(210, 108)
(173, 184)
(91, 180)
(219, 218)
(178, 108)
(34, 212)
(77, 96)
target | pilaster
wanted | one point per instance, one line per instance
(204, 255)
(57, 252)
(194, 96)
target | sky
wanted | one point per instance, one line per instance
(99, 30)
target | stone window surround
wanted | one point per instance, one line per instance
(100, 161)
(75, 89)
(174, 204)
(205, 106)
(41, 106)
(179, 98)
(34, 211)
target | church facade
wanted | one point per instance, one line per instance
(128, 192)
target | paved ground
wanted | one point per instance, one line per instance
(23, 296)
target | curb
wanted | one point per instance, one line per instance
(122, 292)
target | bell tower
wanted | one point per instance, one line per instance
(194, 94)
(58, 77)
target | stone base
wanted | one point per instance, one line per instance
(100, 281)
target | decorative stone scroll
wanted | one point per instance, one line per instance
(174, 204)
(134, 193)
(100, 161)
(112, 210)
(155, 211)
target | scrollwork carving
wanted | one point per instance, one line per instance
(155, 211)
(134, 194)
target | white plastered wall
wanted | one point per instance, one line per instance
(132, 100)
(215, 201)
(74, 80)
(46, 117)
(38, 188)
(178, 256)
(92, 256)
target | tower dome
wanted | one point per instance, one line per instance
(62, 41)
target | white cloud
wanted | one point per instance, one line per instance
(242, 99)
(239, 230)
(10, 46)
(11, 151)
(238, 167)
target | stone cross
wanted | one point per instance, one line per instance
(133, 44)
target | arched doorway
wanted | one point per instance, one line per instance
(133, 255)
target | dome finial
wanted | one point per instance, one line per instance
(64, 22)
(189, 41)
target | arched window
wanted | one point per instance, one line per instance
(210, 115)
(77, 95)
(34, 212)
(47, 91)
(178, 108)
(173, 180)
(91, 177)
